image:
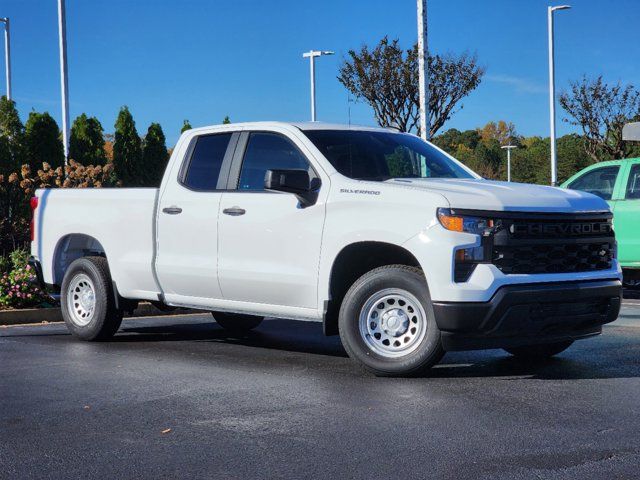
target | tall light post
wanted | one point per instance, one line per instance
(311, 55)
(64, 85)
(423, 70)
(508, 148)
(7, 55)
(552, 92)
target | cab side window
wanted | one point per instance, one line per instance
(268, 151)
(599, 181)
(205, 163)
(633, 184)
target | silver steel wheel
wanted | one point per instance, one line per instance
(392, 323)
(81, 299)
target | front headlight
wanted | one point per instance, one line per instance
(466, 259)
(463, 223)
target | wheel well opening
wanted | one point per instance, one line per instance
(71, 247)
(351, 263)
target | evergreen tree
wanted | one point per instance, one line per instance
(12, 137)
(42, 141)
(86, 143)
(154, 155)
(185, 126)
(127, 150)
(226, 120)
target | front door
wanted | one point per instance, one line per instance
(187, 227)
(626, 220)
(269, 245)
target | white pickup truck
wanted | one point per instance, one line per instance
(386, 239)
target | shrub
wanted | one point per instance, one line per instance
(17, 188)
(19, 289)
(19, 258)
(5, 265)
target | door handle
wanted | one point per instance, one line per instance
(234, 211)
(172, 210)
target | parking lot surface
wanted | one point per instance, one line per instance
(178, 397)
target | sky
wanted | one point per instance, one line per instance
(170, 60)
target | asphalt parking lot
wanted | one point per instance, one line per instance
(177, 397)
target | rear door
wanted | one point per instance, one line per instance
(269, 244)
(626, 218)
(187, 225)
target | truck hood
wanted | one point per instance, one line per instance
(480, 194)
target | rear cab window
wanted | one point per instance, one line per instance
(203, 166)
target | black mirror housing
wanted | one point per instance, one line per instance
(297, 182)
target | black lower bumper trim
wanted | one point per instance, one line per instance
(529, 314)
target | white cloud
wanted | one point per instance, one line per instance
(521, 85)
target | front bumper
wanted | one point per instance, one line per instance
(529, 314)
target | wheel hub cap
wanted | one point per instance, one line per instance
(81, 300)
(395, 322)
(392, 322)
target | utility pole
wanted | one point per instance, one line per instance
(552, 92)
(423, 70)
(64, 85)
(508, 148)
(311, 55)
(7, 54)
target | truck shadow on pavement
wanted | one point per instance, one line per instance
(616, 354)
(290, 336)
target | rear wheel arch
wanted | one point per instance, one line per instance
(71, 247)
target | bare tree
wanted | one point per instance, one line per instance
(601, 110)
(387, 79)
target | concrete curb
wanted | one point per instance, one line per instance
(49, 315)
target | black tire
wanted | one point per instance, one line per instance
(236, 322)
(105, 319)
(426, 352)
(539, 352)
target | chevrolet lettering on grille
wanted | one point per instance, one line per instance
(535, 229)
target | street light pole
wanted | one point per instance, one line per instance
(7, 54)
(508, 148)
(552, 92)
(311, 55)
(423, 70)
(64, 85)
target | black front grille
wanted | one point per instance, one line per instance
(539, 243)
(553, 258)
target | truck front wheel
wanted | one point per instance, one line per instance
(235, 322)
(387, 323)
(87, 300)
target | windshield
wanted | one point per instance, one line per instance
(377, 155)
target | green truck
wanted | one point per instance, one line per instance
(618, 182)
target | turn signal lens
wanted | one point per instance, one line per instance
(460, 223)
(451, 222)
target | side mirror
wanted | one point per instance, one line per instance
(297, 182)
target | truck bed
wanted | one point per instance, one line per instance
(116, 222)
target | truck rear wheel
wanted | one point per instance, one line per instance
(539, 352)
(87, 300)
(235, 322)
(387, 323)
